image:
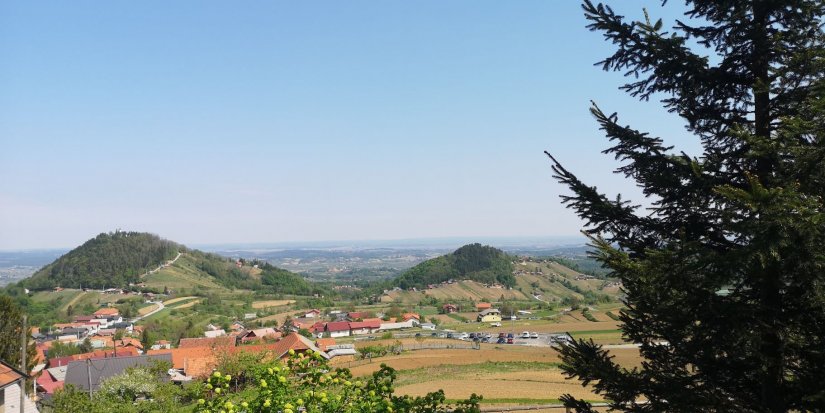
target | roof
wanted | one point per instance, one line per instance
(338, 326)
(78, 372)
(407, 316)
(368, 323)
(207, 342)
(107, 311)
(214, 333)
(358, 314)
(323, 343)
(489, 311)
(9, 375)
(48, 382)
(483, 306)
(97, 354)
(200, 361)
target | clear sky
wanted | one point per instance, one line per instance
(264, 121)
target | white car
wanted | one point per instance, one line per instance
(464, 336)
(496, 324)
(525, 334)
(534, 335)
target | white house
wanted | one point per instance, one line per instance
(11, 381)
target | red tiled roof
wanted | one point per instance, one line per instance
(48, 383)
(338, 326)
(8, 375)
(323, 343)
(107, 311)
(408, 316)
(207, 342)
(368, 323)
(358, 314)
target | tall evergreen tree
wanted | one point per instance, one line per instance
(724, 274)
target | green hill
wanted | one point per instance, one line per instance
(474, 262)
(112, 259)
(117, 259)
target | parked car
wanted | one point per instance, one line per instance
(433, 334)
(495, 324)
(502, 335)
(418, 334)
(485, 339)
(525, 334)
(463, 336)
(472, 335)
(510, 335)
(534, 335)
(449, 335)
(509, 341)
(501, 340)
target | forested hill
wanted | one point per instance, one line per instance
(475, 262)
(112, 259)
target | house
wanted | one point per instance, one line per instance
(357, 315)
(314, 313)
(368, 326)
(161, 344)
(51, 379)
(317, 329)
(323, 343)
(410, 316)
(250, 316)
(337, 329)
(483, 306)
(74, 333)
(449, 308)
(81, 373)
(259, 334)
(489, 316)
(129, 342)
(11, 384)
(302, 322)
(207, 342)
(201, 361)
(106, 312)
(214, 333)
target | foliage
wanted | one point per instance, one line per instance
(109, 260)
(11, 327)
(476, 262)
(307, 383)
(723, 270)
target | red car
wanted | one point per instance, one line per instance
(509, 341)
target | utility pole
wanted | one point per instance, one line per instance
(89, 375)
(24, 343)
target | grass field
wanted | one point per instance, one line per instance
(271, 303)
(148, 309)
(504, 375)
(178, 299)
(183, 274)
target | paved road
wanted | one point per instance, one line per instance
(160, 307)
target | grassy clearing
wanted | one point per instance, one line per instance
(148, 309)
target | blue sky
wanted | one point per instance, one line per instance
(220, 122)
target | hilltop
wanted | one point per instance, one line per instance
(474, 262)
(112, 259)
(120, 259)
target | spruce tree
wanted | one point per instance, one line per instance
(724, 272)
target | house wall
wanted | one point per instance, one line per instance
(489, 318)
(339, 333)
(11, 403)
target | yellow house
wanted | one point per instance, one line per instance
(489, 316)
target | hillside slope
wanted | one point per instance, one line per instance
(115, 260)
(112, 259)
(474, 262)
